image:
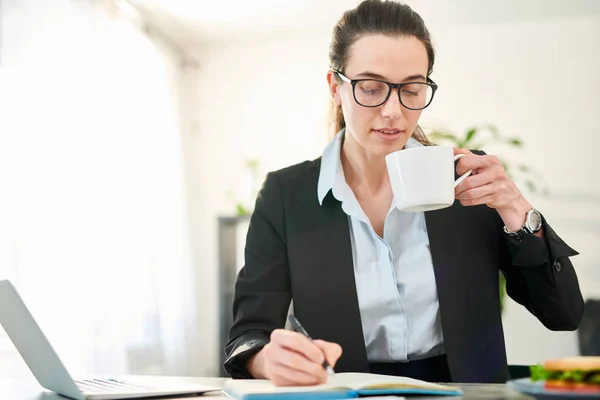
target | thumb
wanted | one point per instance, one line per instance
(332, 351)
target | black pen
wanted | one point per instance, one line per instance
(299, 328)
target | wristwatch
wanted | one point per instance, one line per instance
(533, 223)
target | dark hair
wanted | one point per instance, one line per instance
(385, 17)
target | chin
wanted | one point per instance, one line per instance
(391, 147)
(382, 146)
(383, 151)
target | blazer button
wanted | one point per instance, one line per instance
(557, 266)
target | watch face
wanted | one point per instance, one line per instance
(534, 221)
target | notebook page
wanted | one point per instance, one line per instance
(357, 380)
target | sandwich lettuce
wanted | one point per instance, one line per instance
(539, 373)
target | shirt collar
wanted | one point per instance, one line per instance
(330, 162)
(331, 165)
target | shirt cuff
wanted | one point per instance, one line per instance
(235, 365)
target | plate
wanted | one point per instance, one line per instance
(537, 390)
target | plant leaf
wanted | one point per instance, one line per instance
(241, 210)
(502, 287)
(252, 163)
(470, 135)
(515, 142)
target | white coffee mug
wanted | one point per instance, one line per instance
(422, 178)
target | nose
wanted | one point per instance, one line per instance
(392, 107)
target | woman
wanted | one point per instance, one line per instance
(411, 294)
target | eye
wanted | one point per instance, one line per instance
(413, 89)
(371, 91)
(372, 88)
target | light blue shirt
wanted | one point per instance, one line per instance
(395, 283)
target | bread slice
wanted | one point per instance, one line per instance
(583, 363)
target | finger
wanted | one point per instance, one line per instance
(299, 343)
(281, 356)
(282, 375)
(475, 162)
(490, 200)
(333, 351)
(479, 192)
(278, 360)
(474, 181)
(466, 164)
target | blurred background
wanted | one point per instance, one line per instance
(134, 136)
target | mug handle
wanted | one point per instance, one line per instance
(463, 176)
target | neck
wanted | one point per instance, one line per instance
(361, 169)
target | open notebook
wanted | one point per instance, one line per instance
(344, 385)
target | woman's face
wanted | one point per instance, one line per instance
(384, 129)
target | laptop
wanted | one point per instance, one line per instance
(50, 372)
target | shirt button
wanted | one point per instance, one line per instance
(557, 266)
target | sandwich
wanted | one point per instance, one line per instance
(578, 374)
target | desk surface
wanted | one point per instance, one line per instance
(17, 383)
(27, 388)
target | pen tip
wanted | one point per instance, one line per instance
(330, 371)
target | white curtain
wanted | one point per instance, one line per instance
(93, 224)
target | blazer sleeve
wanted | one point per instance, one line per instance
(262, 291)
(540, 276)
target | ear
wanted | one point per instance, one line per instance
(334, 88)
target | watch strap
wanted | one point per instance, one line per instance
(516, 235)
(524, 230)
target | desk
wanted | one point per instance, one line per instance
(27, 388)
(18, 383)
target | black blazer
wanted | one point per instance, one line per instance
(297, 249)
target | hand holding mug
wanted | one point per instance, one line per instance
(490, 185)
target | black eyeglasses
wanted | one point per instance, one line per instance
(375, 92)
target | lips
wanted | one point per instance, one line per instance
(391, 131)
(388, 134)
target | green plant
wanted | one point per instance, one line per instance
(478, 138)
(502, 289)
(241, 210)
(252, 176)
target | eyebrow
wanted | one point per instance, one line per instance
(377, 76)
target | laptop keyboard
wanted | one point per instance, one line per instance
(109, 386)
